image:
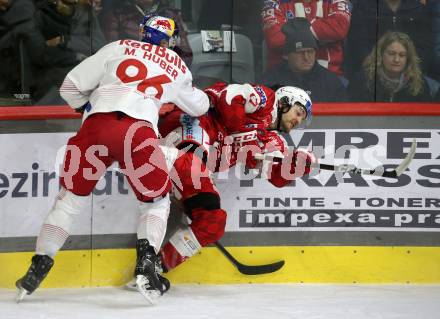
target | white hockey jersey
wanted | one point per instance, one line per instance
(135, 78)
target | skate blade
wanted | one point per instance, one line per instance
(131, 285)
(20, 295)
(150, 296)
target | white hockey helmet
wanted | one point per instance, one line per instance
(288, 96)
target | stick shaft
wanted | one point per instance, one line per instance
(390, 174)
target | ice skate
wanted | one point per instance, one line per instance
(40, 267)
(131, 285)
(147, 279)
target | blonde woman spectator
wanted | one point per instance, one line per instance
(371, 19)
(391, 73)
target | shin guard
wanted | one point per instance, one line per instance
(181, 246)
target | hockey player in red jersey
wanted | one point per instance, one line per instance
(329, 19)
(242, 124)
(120, 90)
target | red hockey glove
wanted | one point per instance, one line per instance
(296, 164)
(271, 144)
(302, 162)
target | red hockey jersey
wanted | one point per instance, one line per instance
(240, 115)
(329, 19)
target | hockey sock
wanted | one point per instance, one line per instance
(152, 222)
(57, 225)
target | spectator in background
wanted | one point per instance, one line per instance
(16, 22)
(121, 19)
(435, 11)
(49, 51)
(371, 19)
(86, 35)
(391, 73)
(330, 21)
(301, 69)
(4, 5)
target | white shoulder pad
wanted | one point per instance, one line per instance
(251, 96)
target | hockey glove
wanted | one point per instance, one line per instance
(271, 144)
(296, 164)
(85, 108)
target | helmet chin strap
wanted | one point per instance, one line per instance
(279, 116)
(280, 111)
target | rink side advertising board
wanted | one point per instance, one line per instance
(327, 201)
(330, 201)
(313, 224)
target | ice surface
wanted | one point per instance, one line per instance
(251, 301)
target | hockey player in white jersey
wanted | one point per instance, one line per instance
(120, 90)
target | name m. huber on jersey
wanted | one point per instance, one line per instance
(160, 56)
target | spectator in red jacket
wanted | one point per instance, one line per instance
(300, 68)
(330, 21)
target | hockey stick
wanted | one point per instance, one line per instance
(250, 269)
(378, 171)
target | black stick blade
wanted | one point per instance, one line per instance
(250, 269)
(260, 269)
